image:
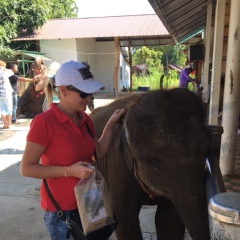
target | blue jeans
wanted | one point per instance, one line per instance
(57, 228)
(15, 102)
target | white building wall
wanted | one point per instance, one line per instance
(99, 55)
(59, 50)
(86, 52)
(100, 58)
(124, 75)
(105, 64)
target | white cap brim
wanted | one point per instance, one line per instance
(88, 86)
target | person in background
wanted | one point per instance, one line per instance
(38, 68)
(14, 80)
(59, 145)
(31, 101)
(184, 77)
(5, 95)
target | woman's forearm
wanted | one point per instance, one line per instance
(104, 141)
(40, 171)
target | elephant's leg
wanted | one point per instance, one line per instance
(169, 225)
(126, 197)
(189, 197)
(128, 224)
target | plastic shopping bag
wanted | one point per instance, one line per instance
(94, 203)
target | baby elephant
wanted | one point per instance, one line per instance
(157, 157)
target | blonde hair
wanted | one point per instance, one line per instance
(2, 63)
(50, 92)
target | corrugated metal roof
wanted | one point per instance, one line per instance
(182, 18)
(100, 27)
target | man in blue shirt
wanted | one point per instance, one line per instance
(184, 78)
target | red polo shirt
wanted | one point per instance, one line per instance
(65, 145)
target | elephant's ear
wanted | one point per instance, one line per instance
(125, 148)
(124, 140)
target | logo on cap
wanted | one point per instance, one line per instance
(85, 73)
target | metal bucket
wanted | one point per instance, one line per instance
(224, 211)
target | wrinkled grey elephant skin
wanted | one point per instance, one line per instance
(30, 103)
(157, 156)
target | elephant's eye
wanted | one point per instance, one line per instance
(156, 162)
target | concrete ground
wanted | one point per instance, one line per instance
(21, 215)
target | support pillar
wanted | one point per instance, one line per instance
(204, 83)
(231, 100)
(116, 66)
(217, 62)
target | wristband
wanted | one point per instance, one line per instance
(65, 171)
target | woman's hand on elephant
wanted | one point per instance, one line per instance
(79, 170)
(103, 143)
(116, 116)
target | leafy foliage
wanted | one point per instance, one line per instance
(149, 57)
(173, 54)
(155, 58)
(153, 80)
(5, 52)
(25, 16)
(149, 80)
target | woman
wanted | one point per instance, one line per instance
(5, 95)
(59, 147)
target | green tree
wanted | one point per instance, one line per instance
(174, 53)
(149, 57)
(155, 58)
(24, 16)
(152, 60)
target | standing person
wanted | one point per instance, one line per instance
(59, 147)
(37, 67)
(184, 77)
(5, 95)
(14, 80)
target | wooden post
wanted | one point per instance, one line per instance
(167, 66)
(208, 41)
(116, 66)
(161, 81)
(130, 63)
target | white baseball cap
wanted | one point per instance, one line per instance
(78, 75)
